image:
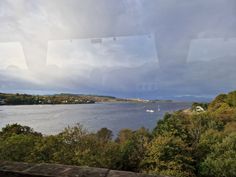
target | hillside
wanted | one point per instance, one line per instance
(63, 98)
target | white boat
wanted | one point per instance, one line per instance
(158, 108)
(150, 110)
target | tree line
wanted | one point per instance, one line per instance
(26, 99)
(181, 145)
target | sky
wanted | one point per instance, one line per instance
(154, 49)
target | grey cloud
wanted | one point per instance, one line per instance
(173, 23)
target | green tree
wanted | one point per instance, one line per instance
(104, 134)
(133, 149)
(168, 155)
(225, 113)
(216, 103)
(221, 162)
(174, 124)
(124, 135)
(17, 147)
(231, 99)
(50, 150)
(9, 130)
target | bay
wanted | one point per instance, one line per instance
(52, 119)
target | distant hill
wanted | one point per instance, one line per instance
(62, 98)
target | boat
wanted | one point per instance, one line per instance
(150, 110)
(158, 108)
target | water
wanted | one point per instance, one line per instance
(52, 119)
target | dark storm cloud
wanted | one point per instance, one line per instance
(167, 63)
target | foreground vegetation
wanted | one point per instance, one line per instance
(182, 144)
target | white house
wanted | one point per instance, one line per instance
(199, 109)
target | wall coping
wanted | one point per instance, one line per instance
(20, 169)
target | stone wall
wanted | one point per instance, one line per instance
(17, 169)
